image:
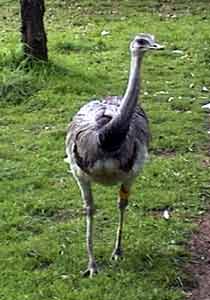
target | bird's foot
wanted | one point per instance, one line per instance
(117, 254)
(91, 271)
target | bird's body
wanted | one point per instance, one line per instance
(107, 142)
(86, 156)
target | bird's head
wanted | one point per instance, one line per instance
(144, 42)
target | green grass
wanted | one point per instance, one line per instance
(42, 244)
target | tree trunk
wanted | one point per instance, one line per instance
(33, 34)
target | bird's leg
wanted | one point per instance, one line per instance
(122, 204)
(89, 210)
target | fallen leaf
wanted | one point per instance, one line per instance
(104, 33)
(204, 89)
(166, 214)
(178, 51)
(206, 106)
(170, 99)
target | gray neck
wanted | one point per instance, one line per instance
(113, 134)
(130, 97)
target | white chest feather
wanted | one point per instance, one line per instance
(108, 171)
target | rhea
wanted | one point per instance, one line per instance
(107, 142)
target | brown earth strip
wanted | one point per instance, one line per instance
(199, 267)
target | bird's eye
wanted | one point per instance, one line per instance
(142, 42)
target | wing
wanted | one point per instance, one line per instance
(82, 138)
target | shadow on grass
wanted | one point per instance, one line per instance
(18, 86)
(66, 47)
(16, 90)
(157, 263)
(23, 78)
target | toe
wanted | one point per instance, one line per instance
(90, 272)
(117, 254)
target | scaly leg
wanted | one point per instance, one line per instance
(89, 209)
(122, 204)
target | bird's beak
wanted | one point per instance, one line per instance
(156, 46)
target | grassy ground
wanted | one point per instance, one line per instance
(42, 246)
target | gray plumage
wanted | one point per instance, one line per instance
(107, 142)
(87, 125)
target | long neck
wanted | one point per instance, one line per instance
(130, 97)
(113, 134)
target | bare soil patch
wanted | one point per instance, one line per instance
(199, 267)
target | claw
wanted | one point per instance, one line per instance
(90, 272)
(117, 254)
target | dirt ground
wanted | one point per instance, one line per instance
(199, 267)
